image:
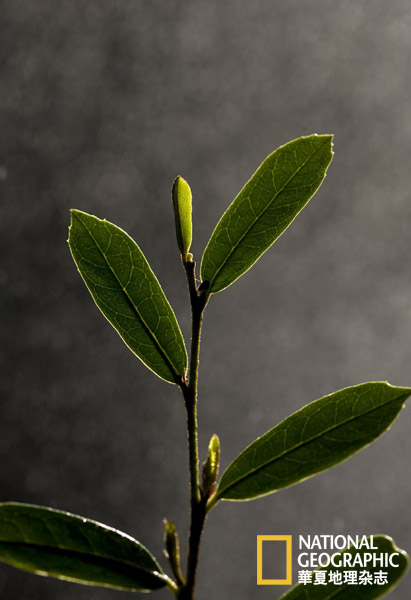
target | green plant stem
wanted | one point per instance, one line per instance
(190, 392)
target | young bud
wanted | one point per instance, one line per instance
(211, 465)
(172, 550)
(182, 212)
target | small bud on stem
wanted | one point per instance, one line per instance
(172, 549)
(210, 466)
(182, 212)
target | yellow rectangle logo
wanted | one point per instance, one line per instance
(274, 538)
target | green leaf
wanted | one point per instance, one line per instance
(314, 438)
(182, 212)
(347, 591)
(59, 544)
(264, 208)
(128, 294)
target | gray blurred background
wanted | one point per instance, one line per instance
(102, 105)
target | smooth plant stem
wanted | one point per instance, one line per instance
(190, 391)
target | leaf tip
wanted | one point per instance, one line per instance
(74, 214)
(327, 137)
(404, 391)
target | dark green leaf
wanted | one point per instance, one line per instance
(128, 293)
(182, 212)
(59, 544)
(347, 591)
(314, 438)
(264, 208)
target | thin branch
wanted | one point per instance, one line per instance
(190, 391)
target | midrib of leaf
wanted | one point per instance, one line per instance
(63, 548)
(169, 362)
(301, 444)
(262, 212)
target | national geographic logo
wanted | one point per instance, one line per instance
(328, 560)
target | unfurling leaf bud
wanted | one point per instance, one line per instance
(182, 212)
(211, 465)
(172, 550)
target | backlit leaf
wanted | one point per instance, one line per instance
(59, 544)
(264, 208)
(314, 438)
(128, 293)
